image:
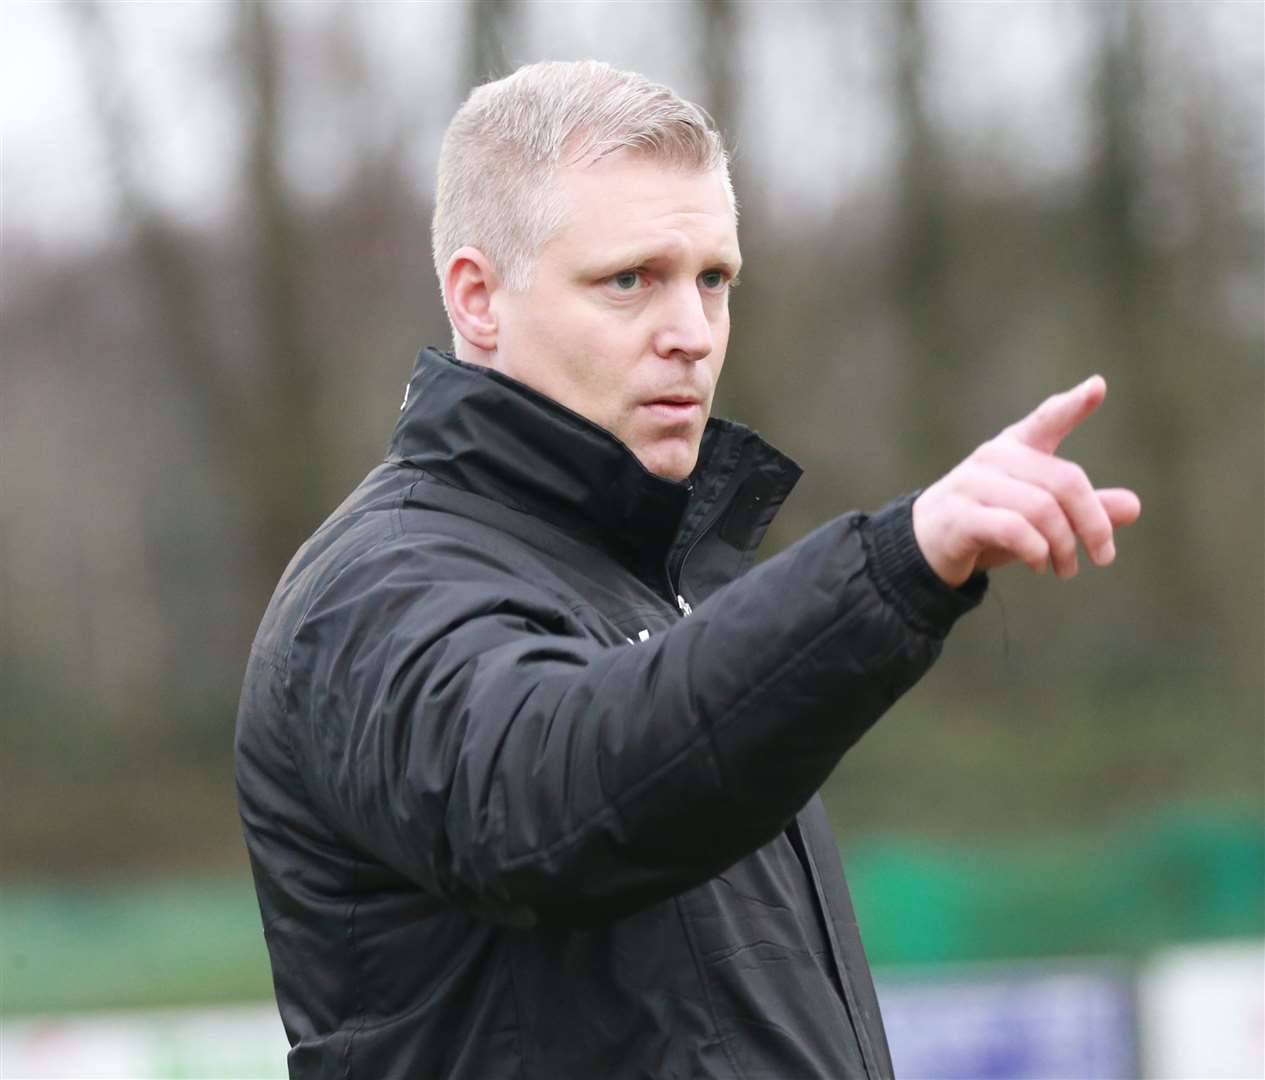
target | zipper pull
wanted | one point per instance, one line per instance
(684, 605)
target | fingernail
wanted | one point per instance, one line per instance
(1107, 554)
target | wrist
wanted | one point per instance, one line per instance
(906, 579)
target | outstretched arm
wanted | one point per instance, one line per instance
(462, 727)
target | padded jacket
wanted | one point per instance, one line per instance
(528, 756)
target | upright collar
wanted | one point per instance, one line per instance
(480, 430)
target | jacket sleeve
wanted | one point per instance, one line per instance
(459, 726)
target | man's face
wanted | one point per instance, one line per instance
(627, 317)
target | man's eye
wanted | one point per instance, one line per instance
(712, 279)
(626, 280)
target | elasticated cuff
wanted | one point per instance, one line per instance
(905, 579)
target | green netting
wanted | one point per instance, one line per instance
(1192, 875)
(1188, 876)
(131, 945)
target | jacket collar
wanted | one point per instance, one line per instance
(480, 430)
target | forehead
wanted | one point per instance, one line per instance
(627, 202)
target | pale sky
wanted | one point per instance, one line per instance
(1006, 82)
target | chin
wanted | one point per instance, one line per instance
(670, 463)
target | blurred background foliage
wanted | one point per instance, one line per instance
(217, 273)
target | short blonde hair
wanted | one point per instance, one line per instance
(499, 154)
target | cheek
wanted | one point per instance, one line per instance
(522, 334)
(720, 344)
(605, 353)
(578, 358)
(537, 336)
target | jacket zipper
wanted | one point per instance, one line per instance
(743, 471)
(682, 605)
(674, 586)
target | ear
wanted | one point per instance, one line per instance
(469, 283)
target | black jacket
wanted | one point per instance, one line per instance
(528, 785)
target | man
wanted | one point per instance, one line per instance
(527, 757)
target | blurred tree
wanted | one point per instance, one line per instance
(164, 259)
(720, 52)
(922, 255)
(266, 430)
(1140, 326)
(280, 463)
(491, 24)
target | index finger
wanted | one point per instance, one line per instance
(1051, 421)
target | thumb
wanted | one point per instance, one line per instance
(1051, 421)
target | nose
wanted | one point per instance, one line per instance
(685, 331)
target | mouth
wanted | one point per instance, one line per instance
(675, 406)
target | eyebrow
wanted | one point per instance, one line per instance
(632, 256)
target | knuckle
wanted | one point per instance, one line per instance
(985, 451)
(1048, 411)
(1071, 480)
(975, 526)
(1047, 510)
(1097, 535)
(1014, 532)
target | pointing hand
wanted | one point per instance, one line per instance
(1014, 500)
